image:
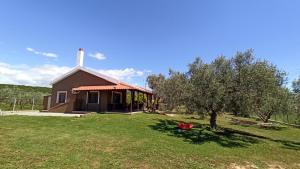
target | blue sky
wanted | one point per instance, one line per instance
(39, 39)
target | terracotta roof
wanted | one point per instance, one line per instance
(120, 86)
(137, 88)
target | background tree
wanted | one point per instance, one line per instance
(296, 90)
(156, 83)
(174, 90)
(267, 92)
(296, 86)
(240, 97)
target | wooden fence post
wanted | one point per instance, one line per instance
(15, 100)
(32, 104)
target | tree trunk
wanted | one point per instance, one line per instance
(157, 104)
(153, 104)
(268, 116)
(153, 107)
(213, 120)
(235, 113)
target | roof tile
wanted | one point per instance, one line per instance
(120, 86)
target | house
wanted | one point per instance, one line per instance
(84, 90)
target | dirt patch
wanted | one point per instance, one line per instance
(246, 166)
(109, 149)
(171, 115)
(275, 166)
(95, 164)
(168, 113)
(104, 145)
(243, 122)
(270, 126)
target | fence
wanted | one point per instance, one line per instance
(289, 118)
(17, 104)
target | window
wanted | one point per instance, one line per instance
(93, 97)
(117, 98)
(61, 97)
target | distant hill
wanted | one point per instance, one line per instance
(24, 96)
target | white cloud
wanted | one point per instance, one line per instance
(31, 50)
(43, 75)
(27, 75)
(47, 54)
(97, 55)
(123, 74)
(50, 55)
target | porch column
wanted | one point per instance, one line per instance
(138, 105)
(147, 100)
(98, 107)
(132, 100)
(86, 100)
(124, 98)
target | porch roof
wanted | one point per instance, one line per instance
(120, 86)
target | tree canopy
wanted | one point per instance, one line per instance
(243, 85)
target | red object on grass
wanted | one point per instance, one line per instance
(185, 126)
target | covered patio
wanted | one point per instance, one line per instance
(111, 98)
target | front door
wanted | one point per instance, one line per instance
(93, 101)
(117, 101)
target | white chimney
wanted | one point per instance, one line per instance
(80, 54)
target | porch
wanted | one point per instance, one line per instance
(106, 99)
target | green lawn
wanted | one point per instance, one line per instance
(142, 141)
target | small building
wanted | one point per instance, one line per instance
(84, 90)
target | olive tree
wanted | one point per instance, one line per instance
(240, 97)
(209, 87)
(267, 92)
(296, 90)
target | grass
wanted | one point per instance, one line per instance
(142, 141)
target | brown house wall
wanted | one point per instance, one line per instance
(77, 79)
(61, 108)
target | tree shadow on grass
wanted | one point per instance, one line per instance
(201, 134)
(293, 145)
(225, 137)
(249, 123)
(289, 144)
